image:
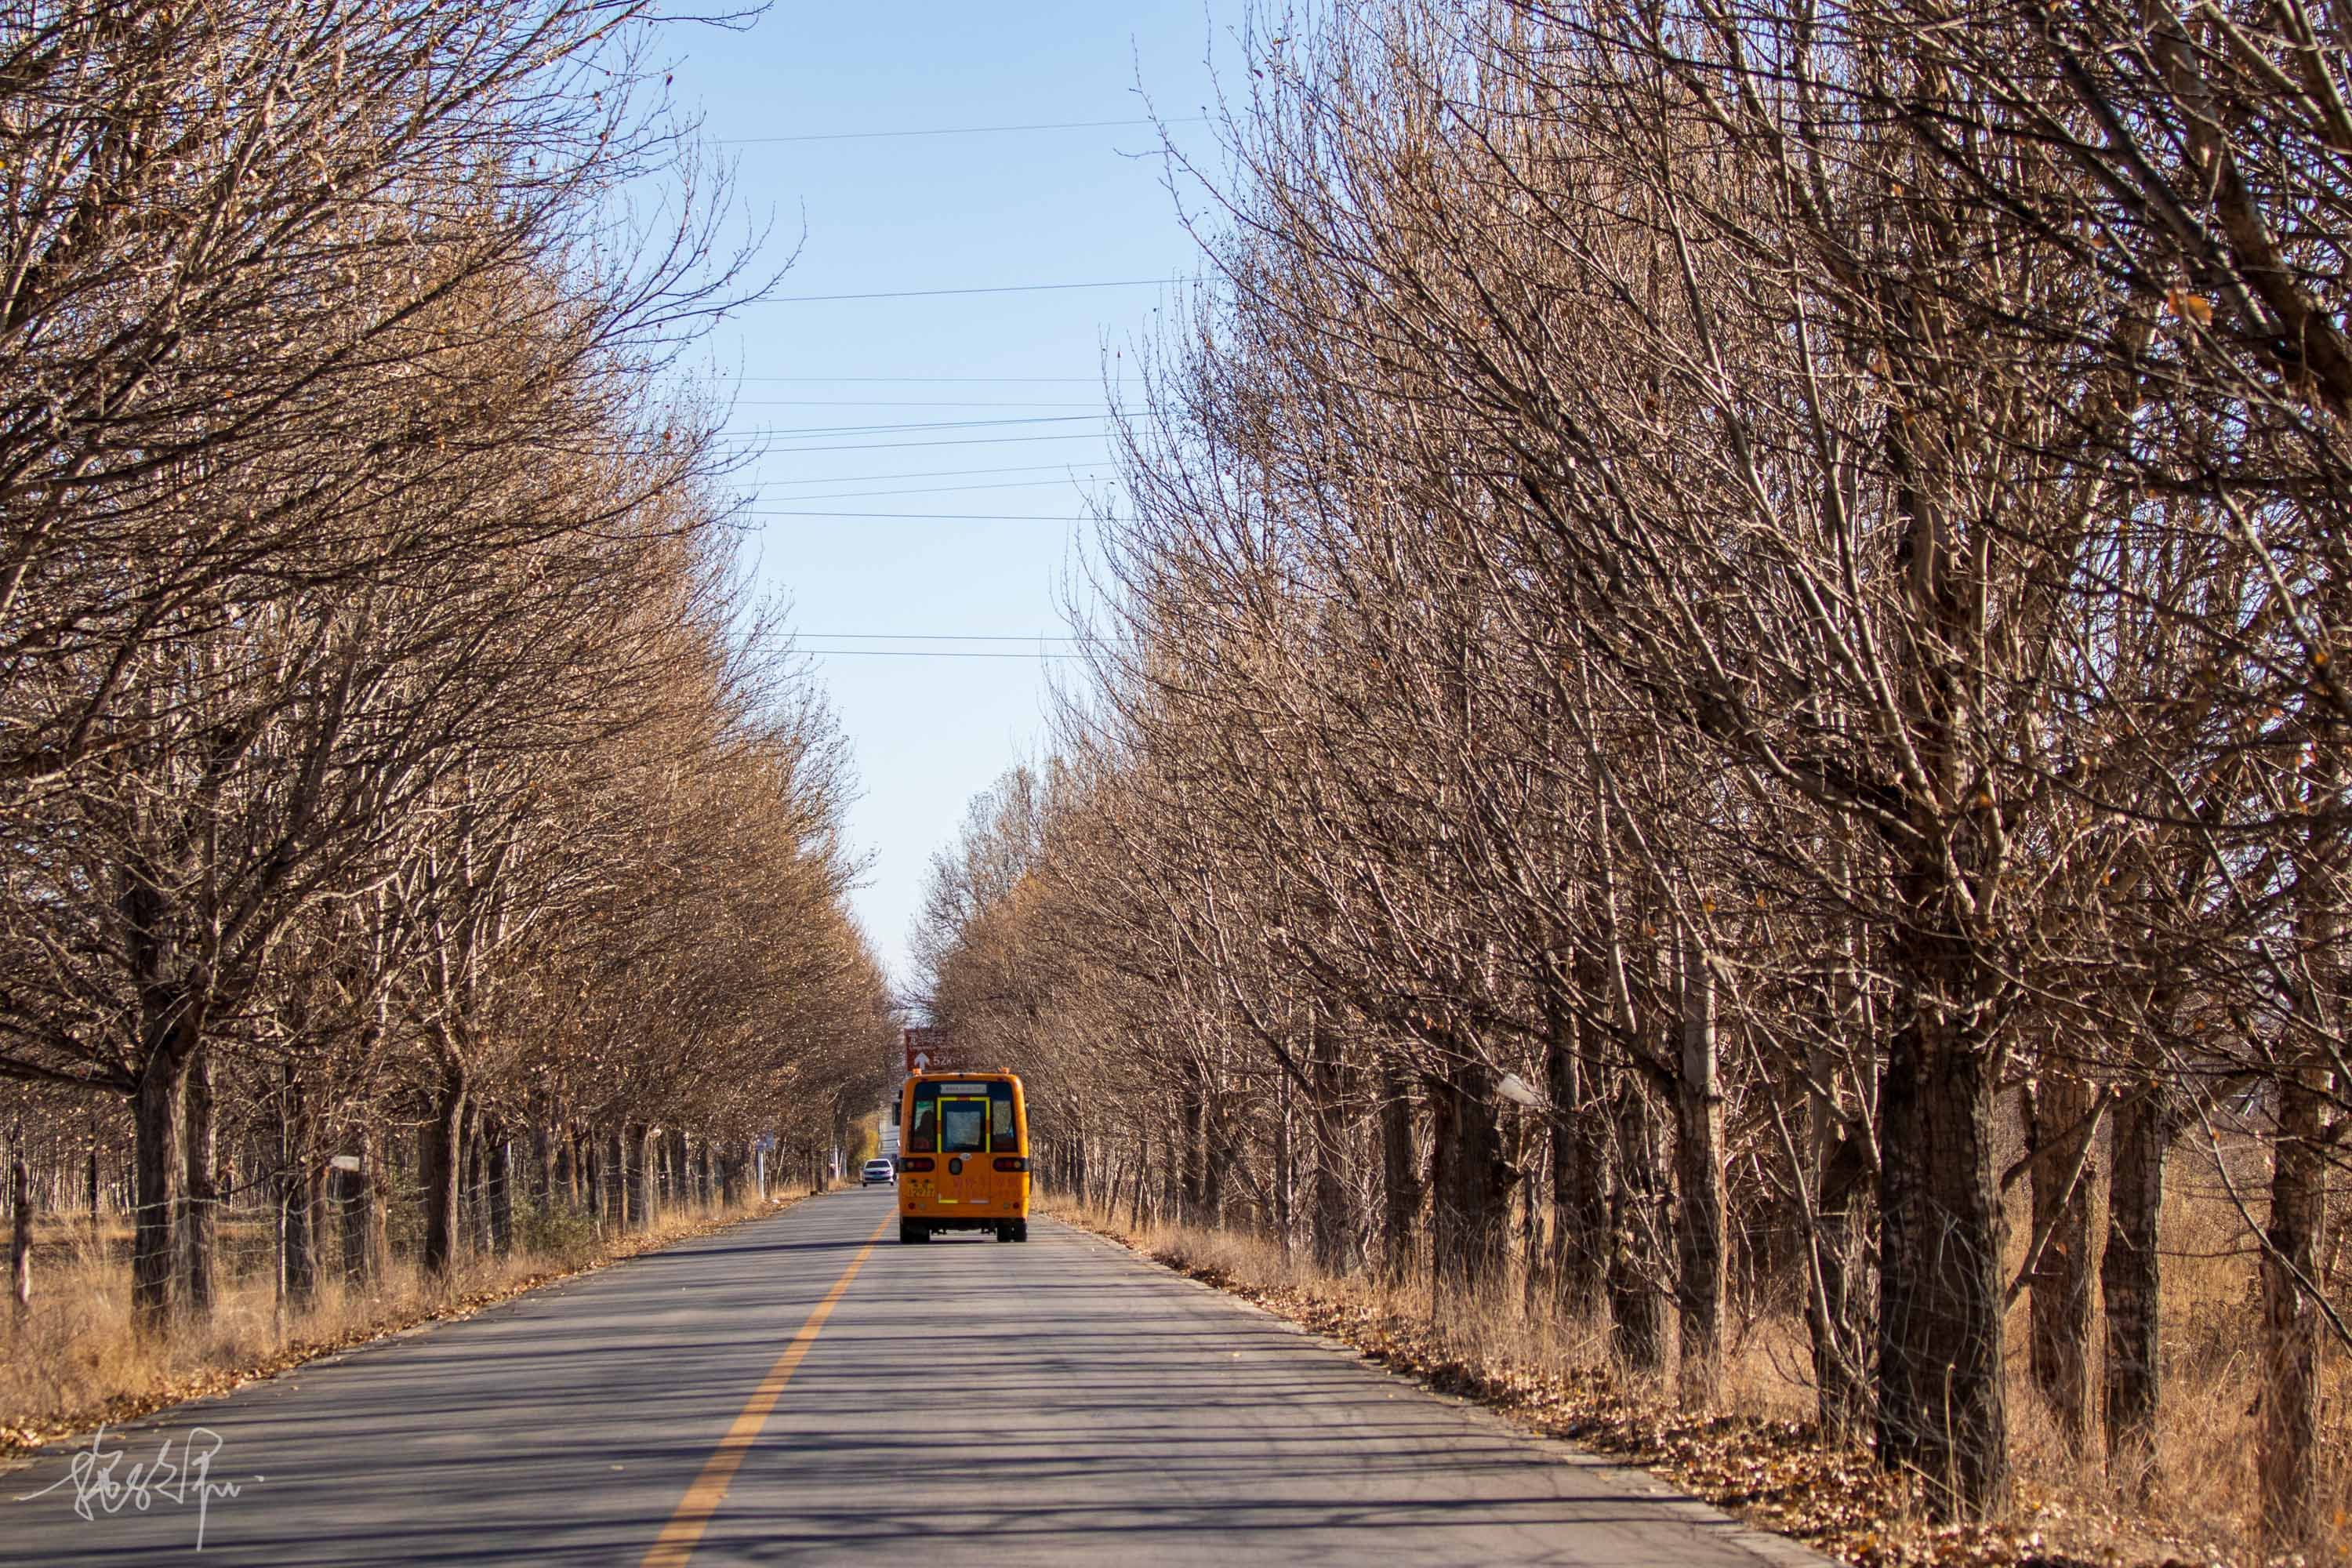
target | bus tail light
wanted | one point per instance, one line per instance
(1013, 1164)
(917, 1163)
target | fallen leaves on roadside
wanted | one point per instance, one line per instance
(1779, 1476)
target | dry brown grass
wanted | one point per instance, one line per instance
(1759, 1454)
(74, 1361)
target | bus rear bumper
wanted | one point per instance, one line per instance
(922, 1227)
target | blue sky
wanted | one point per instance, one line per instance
(929, 724)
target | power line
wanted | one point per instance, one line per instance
(926, 516)
(967, 441)
(933, 490)
(892, 427)
(955, 130)
(993, 289)
(747, 442)
(932, 474)
(766, 438)
(922, 653)
(930, 380)
(898, 402)
(953, 636)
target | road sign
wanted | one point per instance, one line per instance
(928, 1050)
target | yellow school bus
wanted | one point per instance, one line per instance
(964, 1155)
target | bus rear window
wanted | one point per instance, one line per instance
(963, 1126)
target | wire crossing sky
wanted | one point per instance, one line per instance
(982, 228)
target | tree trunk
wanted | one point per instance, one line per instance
(442, 1153)
(1191, 1152)
(1285, 1165)
(2289, 1441)
(476, 1203)
(199, 1212)
(300, 1248)
(1636, 1299)
(366, 1246)
(1469, 1182)
(1579, 1171)
(319, 1202)
(1699, 1228)
(1526, 1136)
(2130, 1276)
(1400, 1177)
(1942, 1413)
(20, 1242)
(570, 1150)
(1142, 1173)
(348, 1192)
(1218, 1155)
(2059, 1312)
(1332, 1229)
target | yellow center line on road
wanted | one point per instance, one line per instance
(709, 1488)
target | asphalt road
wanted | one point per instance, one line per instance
(964, 1402)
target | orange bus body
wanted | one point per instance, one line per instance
(964, 1155)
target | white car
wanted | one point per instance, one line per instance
(880, 1170)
